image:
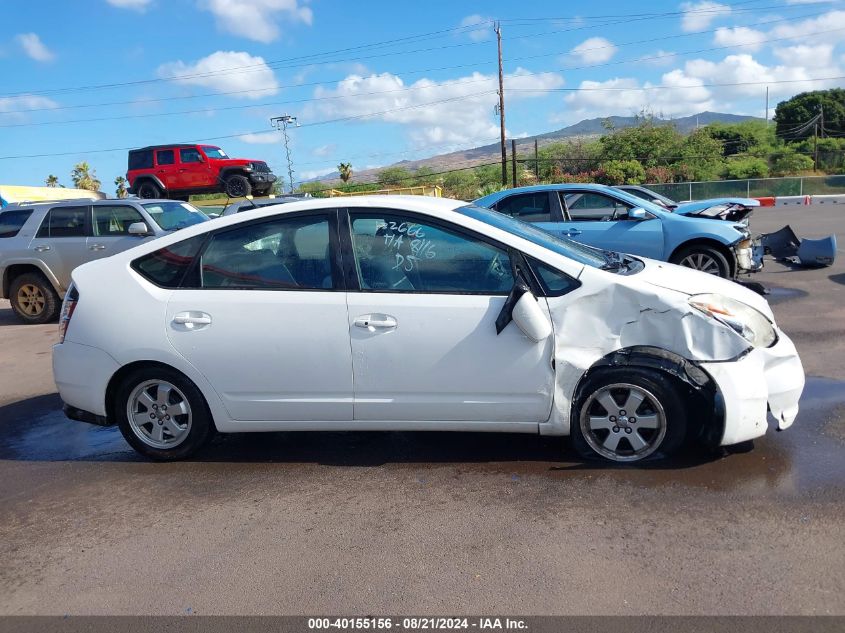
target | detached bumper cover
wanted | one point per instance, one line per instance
(770, 379)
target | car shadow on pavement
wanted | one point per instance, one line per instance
(838, 279)
(36, 429)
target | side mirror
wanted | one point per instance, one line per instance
(637, 213)
(531, 318)
(139, 228)
(201, 158)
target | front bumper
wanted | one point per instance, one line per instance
(769, 379)
(261, 178)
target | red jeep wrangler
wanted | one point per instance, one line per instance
(177, 171)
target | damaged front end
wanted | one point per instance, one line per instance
(732, 366)
(785, 246)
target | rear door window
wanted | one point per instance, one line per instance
(165, 157)
(12, 221)
(64, 222)
(528, 207)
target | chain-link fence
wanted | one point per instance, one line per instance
(752, 188)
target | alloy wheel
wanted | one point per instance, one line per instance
(703, 262)
(623, 422)
(31, 300)
(159, 414)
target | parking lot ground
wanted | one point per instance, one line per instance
(374, 523)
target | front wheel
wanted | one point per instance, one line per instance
(162, 414)
(628, 414)
(704, 258)
(238, 186)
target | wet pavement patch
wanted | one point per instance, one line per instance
(778, 294)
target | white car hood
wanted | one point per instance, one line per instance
(693, 282)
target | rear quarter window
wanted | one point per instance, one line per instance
(141, 160)
(11, 222)
(171, 266)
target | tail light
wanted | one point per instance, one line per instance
(68, 307)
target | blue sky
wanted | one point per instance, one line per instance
(406, 80)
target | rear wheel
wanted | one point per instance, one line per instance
(238, 186)
(149, 190)
(704, 258)
(33, 299)
(627, 415)
(162, 414)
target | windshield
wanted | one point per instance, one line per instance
(649, 195)
(587, 255)
(172, 216)
(214, 152)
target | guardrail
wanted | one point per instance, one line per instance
(787, 187)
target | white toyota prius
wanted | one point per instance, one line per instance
(412, 313)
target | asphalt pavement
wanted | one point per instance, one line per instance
(375, 523)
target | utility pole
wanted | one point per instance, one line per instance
(282, 123)
(513, 158)
(498, 28)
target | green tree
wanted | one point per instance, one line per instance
(794, 112)
(52, 181)
(743, 137)
(120, 183)
(623, 172)
(744, 167)
(394, 177)
(461, 185)
(345, 170)
(84, 177)
(788, 162)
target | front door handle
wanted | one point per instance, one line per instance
(192, 319)
(42, 248)
(97, 247)
(571, 232)
(373, 322)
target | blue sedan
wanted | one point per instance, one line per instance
(614, 220)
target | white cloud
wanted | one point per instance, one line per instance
(225, 71)
(256, 19)
(467, 119)
(261, 138)
(825, 28)
(683, 95)
(137, 5)
(10, 106)
(820, 55)
(34, 47)
(594, 50)
(483, 24)
(741, 36)
(699, 15)
(324, 150)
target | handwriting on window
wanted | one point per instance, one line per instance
(408, 244)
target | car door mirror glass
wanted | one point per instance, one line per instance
(139, 228)
(637, 213)
(531, 318)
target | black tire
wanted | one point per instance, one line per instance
(238, 186)
(148, 190)
(704, 258)
(592, 442)
(198, 422)
(33, 299)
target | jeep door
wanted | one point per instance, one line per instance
(61, 242)
(194, 170)
(166, 168)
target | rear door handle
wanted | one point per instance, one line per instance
(373, 322)
(97, 247)
(192, 319)
(41, 248)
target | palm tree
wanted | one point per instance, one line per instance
(120, 182)
(52, 181)
(345, 170)
(84, 177)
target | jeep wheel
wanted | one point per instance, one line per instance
(33, 299)
(148, 190)
(238, 186)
